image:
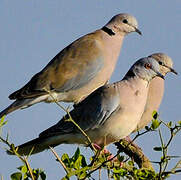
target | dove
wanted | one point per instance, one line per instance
(156, 89)
(79, 69)
(107, 115)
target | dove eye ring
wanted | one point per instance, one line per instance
(147, 66)
(125, 21)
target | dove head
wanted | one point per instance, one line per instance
(123, 24)
(165, 62)
(146, 69)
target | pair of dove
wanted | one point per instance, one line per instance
(79, 74)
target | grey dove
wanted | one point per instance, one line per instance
(107, 115)
(79, 69)
(156, 89)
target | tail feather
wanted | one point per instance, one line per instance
(14, 106)
(21, 104)
(37, 145)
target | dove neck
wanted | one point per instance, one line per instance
(131, 76)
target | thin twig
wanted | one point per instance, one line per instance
(61, 162)
(165, 124)
(95, 157)
(23, 159)
(140, 134)
(83, 132)
(29, 168)
(99, 174)
(172, 134)
(103, 163)
(171, 172)
(71, 120)
(163, 152)
(5, 142)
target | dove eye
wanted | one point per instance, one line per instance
(160, 63)
(125, 21)
(147, 66)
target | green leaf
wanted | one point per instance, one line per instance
(43, 176)
(155, 115)
(78, 163)
(116, 176)
(83, 175)
(157, 148)
(65, 158)
(131, 163)
(77, 172)
(169, 124)
(155, 124)
(76, 155)
(20, 167)
(24, 169)
(179, 122)
(65, 178)
(120, 171)
(2, 121)
(120, 158)
(16, 176)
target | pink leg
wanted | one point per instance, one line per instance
(105, 151)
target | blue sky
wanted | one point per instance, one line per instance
(33, 32)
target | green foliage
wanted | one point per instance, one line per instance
(155, 122)
(76, 165)
(3, 122)
(118, 167)
(24, 174)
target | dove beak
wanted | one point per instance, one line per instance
(138, 31)
(173, 71)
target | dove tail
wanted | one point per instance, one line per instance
(21, 104)
(32, 147)
(14, 106)
(38, 145)
(35, 146)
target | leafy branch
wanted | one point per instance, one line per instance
(117, 166)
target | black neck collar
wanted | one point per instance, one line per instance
(129, 74)
(108, 31)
